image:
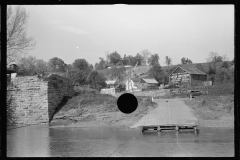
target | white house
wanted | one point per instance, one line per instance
(132, 84)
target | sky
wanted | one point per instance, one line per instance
(71, 32)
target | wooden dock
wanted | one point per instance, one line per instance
(170, 127)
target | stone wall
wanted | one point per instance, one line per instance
(34, 99)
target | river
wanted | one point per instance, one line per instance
(42, 141)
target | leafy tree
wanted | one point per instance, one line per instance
(17, 40)
(26, 66)
(56, 65)
(41, 66)
(126, 60)
(119, 64)
(114, 57)
(186, 61)
(29, 66)
(222, 75)
(101, 64)
(140, 59)
(76, 75)
(154, 60)
(97, 81)
(168, 61)
(118, 73)
(132, 60)
(157, 72)
(225, 64)
(145, 54)
(81, 64)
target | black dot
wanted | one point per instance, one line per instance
(127, 103)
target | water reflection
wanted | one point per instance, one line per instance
(38, 141)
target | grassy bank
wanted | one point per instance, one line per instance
(88, 107)
(215, 109)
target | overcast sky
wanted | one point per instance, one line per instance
(79, 31)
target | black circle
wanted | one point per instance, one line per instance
(127, 103)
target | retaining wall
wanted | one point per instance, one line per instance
(34, 99)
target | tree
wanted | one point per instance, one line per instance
(81, 64)
(17, 40)
(132, 60)
(186, 61)
(29, 66)
(56, 65)
(26, 66)
(114, 57)
(119, 64)
(41, 66)
(168, 61)
(213, 58)
(118, 73)
(145, 54)
(96, 81)
(126, 60)
(154, 60)
(101, 64)
(157, 72)
(140, 59)
(76, 75)
(225, 64)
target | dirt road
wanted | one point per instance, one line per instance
(169, 111)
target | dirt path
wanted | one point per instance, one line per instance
(169, 111)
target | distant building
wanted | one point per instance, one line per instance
(149, 83)
(132, 84)
(141, 83)
(111, 84)
(187, 75)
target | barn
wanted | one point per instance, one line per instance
(187, 75)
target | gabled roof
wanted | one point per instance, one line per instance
(110, 82)
(136, 79)
(152, 80)
(190, 69)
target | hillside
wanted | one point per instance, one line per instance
(144, 69)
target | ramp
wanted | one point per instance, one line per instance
(171, 114)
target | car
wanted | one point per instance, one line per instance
(194, 93)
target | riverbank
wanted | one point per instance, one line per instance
(213, 111)
(94, 110)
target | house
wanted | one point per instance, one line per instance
(187, 75)
(111, 84)
(132, 84)
(149, 83)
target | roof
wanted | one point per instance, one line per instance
(191, 69)
(152, 80)
(135, 79)
(110, 82)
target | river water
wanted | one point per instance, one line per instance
(42, 141)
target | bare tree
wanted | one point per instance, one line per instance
(146, 54)
(17, 40)
(213, 57)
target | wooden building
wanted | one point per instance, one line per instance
(187, 75)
